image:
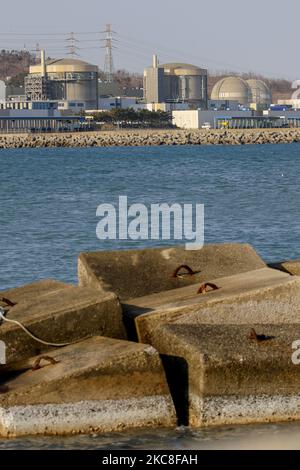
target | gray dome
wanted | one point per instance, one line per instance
(232, 88)
(260, 92)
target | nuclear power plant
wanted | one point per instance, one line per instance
(250, 93)
(57, 93)
(175, 83)
(64, 79)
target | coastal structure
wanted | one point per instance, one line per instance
(175, 83)
(151, 137)
(152, 338)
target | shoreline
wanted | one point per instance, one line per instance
(151, 137)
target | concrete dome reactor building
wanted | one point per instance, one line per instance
(63, 79)
(246, 92)
(260, 92)
(232, 89)
(175, 82)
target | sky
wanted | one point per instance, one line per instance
(260, 36)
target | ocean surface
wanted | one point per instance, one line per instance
(48, 202)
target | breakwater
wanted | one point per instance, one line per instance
(126, 138)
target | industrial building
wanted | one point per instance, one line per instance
(195, 119)
(293, 103)
(70, 80)
(238, 119)
(254, 94)
(36, 122)
(175, 82)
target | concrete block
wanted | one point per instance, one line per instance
(29, 292)
(97, 385)
(220, 375)
(262, 296)
(58, 313)
(137, 273)
(291, 267)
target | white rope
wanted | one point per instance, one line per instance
(15, 322)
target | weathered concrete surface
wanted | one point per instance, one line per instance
(58, 313)
(98, 385)
(137, 273)
(262, 296)
(292, 267)
(219, 375)
(31, 291)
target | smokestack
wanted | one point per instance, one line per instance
(154, 61)
(43, 63)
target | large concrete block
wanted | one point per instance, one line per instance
(57, 313)
(97, 385)
(137, 273)
(224, 374)
(30, 292)
(291, 267)
(262, 296)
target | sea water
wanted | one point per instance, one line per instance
(48, 202)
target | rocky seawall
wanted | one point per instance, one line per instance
(125, 138)
(144, 341)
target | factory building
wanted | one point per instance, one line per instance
(176, 82)
(197, 119)
(70, 80)
(254, 94)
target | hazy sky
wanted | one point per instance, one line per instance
(258, 35)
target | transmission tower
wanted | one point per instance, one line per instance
(109, 46)
(72, 47)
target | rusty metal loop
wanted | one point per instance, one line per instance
(37, 363)
(189, 270)
(8, 302)
(259, 338)
(203, 289)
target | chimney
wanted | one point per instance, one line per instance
(154, 61)
(43, 63)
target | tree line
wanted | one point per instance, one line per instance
(134, 118)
